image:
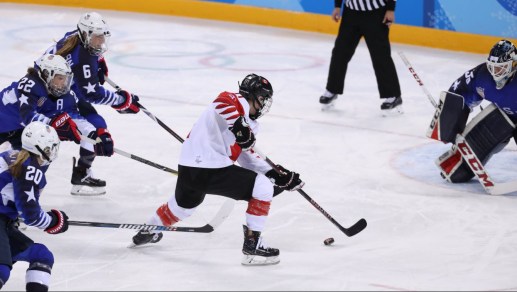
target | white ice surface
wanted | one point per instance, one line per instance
(422, 234)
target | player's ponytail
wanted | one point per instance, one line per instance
(68, 45)
(16, 167)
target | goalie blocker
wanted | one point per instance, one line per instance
(449, 119)
(488, 133)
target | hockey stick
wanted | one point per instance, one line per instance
(351, 231)
(148, 113)
(417, 78)
(145, 161)
(466, 151)
(479, 170)
(221, 215)
(134, 157)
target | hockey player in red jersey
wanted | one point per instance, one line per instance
(225, 133)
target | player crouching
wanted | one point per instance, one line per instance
(488, 132)
(225, 133)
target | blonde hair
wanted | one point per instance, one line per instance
(16, 167)
(68, 45)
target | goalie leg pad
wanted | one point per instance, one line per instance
(452, 166)
(487, 134)
(449, 119)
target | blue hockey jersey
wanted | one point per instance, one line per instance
(20, 196)
(52, 106)
(19, 102)
(85, 68)
(477, 84)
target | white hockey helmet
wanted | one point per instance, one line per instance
(502, 62)
(56, 73)
(41, 139)
(94, 33)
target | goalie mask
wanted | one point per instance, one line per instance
(56, 73)
(41, 139)
(94, 33)
(502, 62)
(258, 90)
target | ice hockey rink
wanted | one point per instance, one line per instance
(422, 234)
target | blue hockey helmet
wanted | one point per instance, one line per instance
(502, 62)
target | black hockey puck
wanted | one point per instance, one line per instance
(328, 241)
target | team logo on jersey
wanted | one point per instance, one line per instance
(41, 101)
(481, 91)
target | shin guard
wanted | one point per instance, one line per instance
(166, 216)
(37, 277)
(256, 214)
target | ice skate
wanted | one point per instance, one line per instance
(145, 237)
(327, 100)
(392, 106)
(255, 250)
(83, 184)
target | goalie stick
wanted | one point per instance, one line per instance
(479, 170)
(465, 150)
(219, 217)
(148, 113)
(417, 78)
(134, 157)
(350, 231)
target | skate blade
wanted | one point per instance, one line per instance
(253, 260)
(87, 191)
(327, 107)
(394, 112)
(132, 245)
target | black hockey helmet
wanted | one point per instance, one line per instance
(502, 62)
(257, 88)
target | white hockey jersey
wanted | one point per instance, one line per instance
(210, 143)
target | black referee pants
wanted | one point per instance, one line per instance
(354, 25)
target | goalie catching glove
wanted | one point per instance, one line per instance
(66, 128)
(244, 137)
(59, 223)
(129, 105)
(285, 179)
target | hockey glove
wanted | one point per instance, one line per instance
(243, 135)
(59, 223)
(128, 106)
(66, 128)
(104, 147)
(103, 70)
(285, 179)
